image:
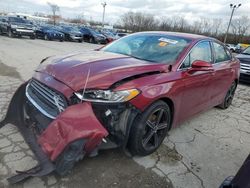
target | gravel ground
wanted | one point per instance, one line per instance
(199, 153)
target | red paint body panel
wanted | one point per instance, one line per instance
(190, 91)
(76, 122)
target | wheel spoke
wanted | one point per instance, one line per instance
(162, 126)
(150, 124)
(159, 117)
(156, 140)
(148, 137)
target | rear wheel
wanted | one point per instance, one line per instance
(229, 96)
(149, 129)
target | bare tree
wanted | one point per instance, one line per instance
(54, 8)
(214, 27)
(138, 21)
(240, 27)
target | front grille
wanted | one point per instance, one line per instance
(245, 67)
(46, 100)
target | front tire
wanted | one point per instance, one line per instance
(149, 129)
(10, 34)
(229, 96)
(91, 40)
(67, 159)
(46, 37)
(33, 37)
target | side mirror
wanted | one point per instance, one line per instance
(200, 65)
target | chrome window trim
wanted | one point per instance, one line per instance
(36, 105)
(212, 51)
(203, 40)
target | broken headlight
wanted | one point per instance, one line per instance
(108, 96)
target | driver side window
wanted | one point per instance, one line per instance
(201, 51)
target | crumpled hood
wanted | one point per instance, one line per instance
(104, 68)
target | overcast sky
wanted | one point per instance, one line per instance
(92, 9)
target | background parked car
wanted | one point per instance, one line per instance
(119, 35)
(16, 26)
(110, 36)
(71, 33)
(244, 58)
(231, 47)
(92, 36)
(49, 33)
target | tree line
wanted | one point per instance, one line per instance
(214, 27)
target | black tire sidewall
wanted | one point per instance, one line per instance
(224, 105)
(10, 34)
(136, 134)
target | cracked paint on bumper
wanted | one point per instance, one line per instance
(76, 122)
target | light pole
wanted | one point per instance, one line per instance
(233, 7)
(104, 5)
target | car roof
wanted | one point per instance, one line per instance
(179, 34)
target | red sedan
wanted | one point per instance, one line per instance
(128, 94)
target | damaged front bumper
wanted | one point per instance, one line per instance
(77, 123)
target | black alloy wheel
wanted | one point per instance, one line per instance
(229, 96)
(150, 129)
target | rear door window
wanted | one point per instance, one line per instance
(220, 53)
(202, 51)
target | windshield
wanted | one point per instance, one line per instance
(17, 19)
(50, 28)
(246, 51)
(71, 29)
(154, 48)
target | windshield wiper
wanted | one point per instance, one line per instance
(137, 57)
(142, 59)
